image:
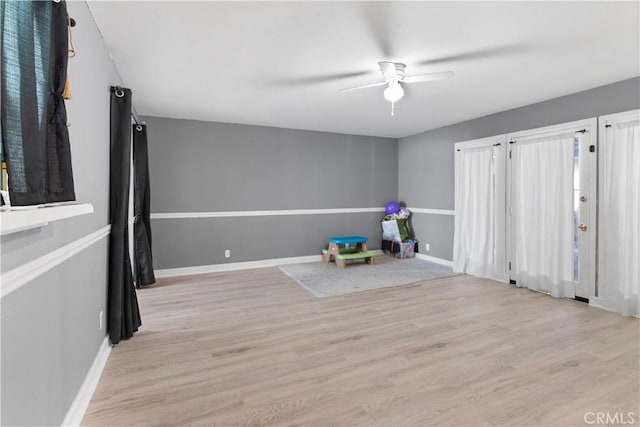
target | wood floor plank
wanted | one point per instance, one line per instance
(252, 348)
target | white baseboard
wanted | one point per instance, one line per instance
(603, 304)
(216, 268)
(435, 260)
(81, 402)
(599, 303)
(232, 266)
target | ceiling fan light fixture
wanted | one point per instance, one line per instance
(393, 92)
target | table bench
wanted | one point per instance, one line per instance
(340, 251)
(341, 259)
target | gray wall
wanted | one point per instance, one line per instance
(50, 333)
(426, 160)
(209, 167)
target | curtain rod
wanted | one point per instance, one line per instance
(135, 116)
(583, 131)
(137, 121)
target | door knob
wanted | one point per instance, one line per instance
(583, 227)
(583, 198)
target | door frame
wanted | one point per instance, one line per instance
(588, 174)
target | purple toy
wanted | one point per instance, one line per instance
(391, 207)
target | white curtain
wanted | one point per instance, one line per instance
(542, 214)
(619, 220)
(473, 244)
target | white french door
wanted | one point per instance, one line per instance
(551, 209)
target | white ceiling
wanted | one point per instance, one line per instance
(267, 63)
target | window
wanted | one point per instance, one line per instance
(34, 138)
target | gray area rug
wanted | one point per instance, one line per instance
(327, 280)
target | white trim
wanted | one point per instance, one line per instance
(14, 279)
(433, 211)
(591, 162)
(481, 142)
(233, 266)
(626, 116)
(553, 130)
(600, 303)
(498, 277)
(20, 219)
(435, 260)
(603, 304)
(81, 402)
(233, 214)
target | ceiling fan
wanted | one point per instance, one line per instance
(393, 77)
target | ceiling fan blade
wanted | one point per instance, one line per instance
(428, 77)
(363, 86)
(477, 54)
(301, 81)
(378, 16)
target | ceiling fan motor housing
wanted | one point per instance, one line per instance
(392, 70)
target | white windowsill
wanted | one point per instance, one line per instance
(20, 219)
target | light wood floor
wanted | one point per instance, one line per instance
(253, 348)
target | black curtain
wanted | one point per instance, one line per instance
(58, 152)
(35, 139)
(142, 197)
(124, 315)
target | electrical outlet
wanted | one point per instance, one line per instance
(101, 320)
(426, 247)
(227, 253)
